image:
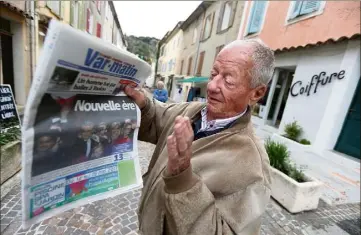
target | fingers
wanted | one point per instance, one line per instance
(172, 147)
(183, 133)
(182, 143)
(136, 95)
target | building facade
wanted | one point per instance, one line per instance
(317, 77)
(24, 26)
(204, 33)
(15, 47)
(169, 54)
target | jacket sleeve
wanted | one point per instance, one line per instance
(192, 209)
(154, 116)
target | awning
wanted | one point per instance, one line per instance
(195, 80)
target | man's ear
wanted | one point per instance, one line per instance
(257, 94)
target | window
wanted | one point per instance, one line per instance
(54, 6)
(200, 63)
(195, 32)
(300, 8)
(189, 66)
(256, 17)
(98, 4)
(108, 12)
(162, 51)
(99, 30)
(208, 26)
(81, 18)
(226, 16)
(89, 21)
(181, 67)
(74, 12)
(218, 49)
(159, 68)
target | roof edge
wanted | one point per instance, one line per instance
(195, 14)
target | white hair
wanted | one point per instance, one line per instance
(263, 60)
(160, 83)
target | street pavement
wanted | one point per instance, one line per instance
(117, 215)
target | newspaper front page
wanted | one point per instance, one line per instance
(80, 131)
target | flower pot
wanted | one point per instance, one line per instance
(10, 160)
(294, 196)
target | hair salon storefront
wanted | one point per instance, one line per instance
(319, 87)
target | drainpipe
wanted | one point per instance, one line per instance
(199, 40)
(32, 39)
(156, 62)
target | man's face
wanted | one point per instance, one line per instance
(102, 130)
(160, 86)
(86, 132)
(116, 132)
(127, 130)
(229, 89)
(45, 143)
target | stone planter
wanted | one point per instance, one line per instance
(294, 196)
(289, 143)
(10, 160)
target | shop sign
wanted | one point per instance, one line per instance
(298, 88)
(8, 112)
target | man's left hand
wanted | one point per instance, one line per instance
(179, 146)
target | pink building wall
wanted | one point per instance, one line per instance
(339, 19)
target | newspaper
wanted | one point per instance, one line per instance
(79, 141)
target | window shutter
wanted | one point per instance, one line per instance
(189, 66)
(99, 30)
(233, 13)
(62, 9)
(309, 6)
(181, 68)
(87, 20)
(220, 17)
(257, 16)
(211, 26)
(81, 15)
(296, 9)
(72, 9)
(200, 63)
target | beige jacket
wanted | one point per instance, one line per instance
(225, 191)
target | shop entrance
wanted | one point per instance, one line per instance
(6, 49)
(349, 139)
(276, 100)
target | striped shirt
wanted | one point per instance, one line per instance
(217, 123)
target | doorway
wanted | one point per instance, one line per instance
(349, 140)
(280, 97)
(6, 48)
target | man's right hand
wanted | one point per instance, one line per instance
(138, 96)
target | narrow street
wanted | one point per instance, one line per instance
(117, 215)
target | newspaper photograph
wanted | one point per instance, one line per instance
(80, 130)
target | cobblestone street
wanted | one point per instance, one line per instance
(117, 215)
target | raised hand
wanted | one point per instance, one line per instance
(179, 146)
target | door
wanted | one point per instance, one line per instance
(7, 60)
(349, 139)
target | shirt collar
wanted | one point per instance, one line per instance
(217, 123)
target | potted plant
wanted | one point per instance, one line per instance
(10, 153)
(291, 187)
(291, 137)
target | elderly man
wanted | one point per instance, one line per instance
(209, 174)
(160, 93)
